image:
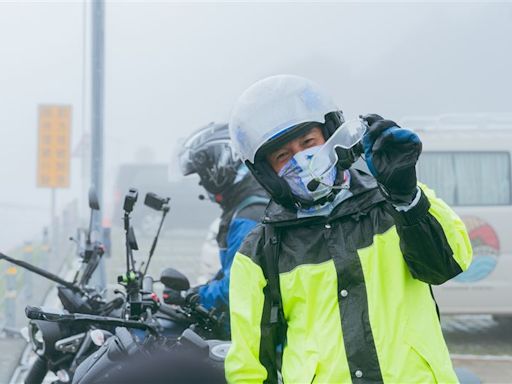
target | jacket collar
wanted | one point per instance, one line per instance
(240, 191)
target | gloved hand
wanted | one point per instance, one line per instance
(391, 154)
(172, 296)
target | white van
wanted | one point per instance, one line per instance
(466, 159)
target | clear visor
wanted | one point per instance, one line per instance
(346, 136)
(185, 162)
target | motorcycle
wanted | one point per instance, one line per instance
(59, 348)
(123, 344)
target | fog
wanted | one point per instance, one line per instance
(172, 67)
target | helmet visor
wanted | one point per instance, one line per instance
(345, 137)
(213, 155)
(185, 161)
(210, 135)
(272, 106)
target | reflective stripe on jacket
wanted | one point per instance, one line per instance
(355, 292)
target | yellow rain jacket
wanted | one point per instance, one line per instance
(355, 291)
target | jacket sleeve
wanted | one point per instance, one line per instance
(243, 363)
(433, 239)
(216, 292)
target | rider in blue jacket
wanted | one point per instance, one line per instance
(208, 152)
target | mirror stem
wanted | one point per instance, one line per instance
(155, 240)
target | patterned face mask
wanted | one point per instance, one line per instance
(296, 174)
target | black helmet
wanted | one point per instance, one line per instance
(208, 152)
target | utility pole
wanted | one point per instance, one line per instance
(98, 74)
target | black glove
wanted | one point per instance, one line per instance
(391, 154)
(172, 296)
(190, 296)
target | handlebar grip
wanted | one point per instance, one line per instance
(193, 339)
(167, 310)
(37, 313)
(202, 310)
(34, 313)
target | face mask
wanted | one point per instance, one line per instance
(296, 173)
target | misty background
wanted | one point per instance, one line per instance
(173, 67)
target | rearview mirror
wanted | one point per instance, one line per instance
(93, 199)
(174, 279)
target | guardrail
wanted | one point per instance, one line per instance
(20, 287)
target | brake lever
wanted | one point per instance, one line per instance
(36, 313)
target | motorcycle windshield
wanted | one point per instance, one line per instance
(345, 137)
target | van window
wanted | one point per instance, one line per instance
(467, 178)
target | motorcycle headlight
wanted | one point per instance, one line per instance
(44, 334)
(36, 337)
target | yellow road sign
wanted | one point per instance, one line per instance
(53, 160)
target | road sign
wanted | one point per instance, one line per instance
(53, 160)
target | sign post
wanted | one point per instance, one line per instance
(97, 87)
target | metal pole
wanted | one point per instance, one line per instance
(54, 236)
(84, 143)
(28, 250)
(98, 71)
(44, 249)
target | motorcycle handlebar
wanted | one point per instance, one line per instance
(36, 313)
(203, 311)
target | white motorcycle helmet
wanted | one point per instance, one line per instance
(274, 111)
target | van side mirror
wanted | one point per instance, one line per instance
(174, 279)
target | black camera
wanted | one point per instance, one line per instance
(130, 199)
(156, 202)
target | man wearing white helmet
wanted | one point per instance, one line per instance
(334, 286)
